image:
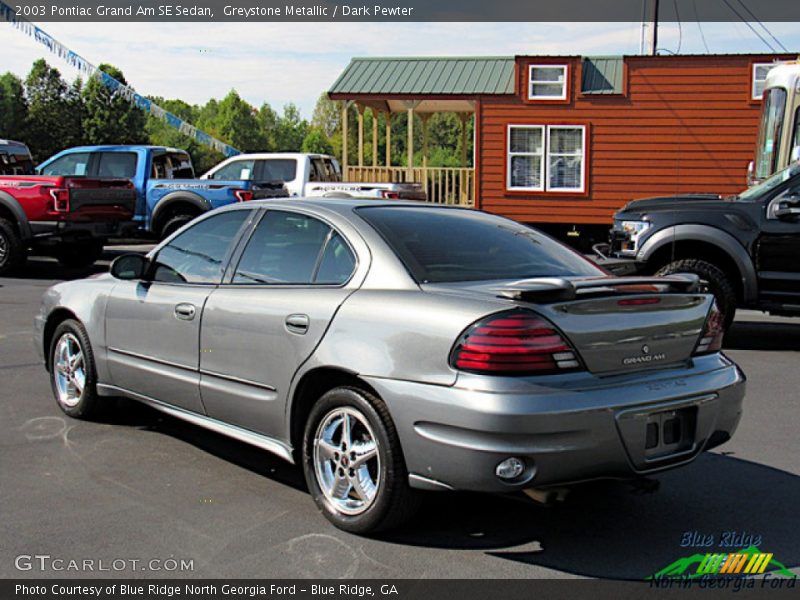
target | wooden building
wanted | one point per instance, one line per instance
(564, 141)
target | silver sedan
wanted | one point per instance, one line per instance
(393, 347)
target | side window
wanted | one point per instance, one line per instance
(235, 171)
(318, 172)
(279, 169)
(337, 262)
(284, 249)
(197, 255)
(71, 164)
(334, 172)
(794, 152)
(117, 164)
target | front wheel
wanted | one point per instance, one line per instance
(718, 283)
(354, 465)
(72, 371)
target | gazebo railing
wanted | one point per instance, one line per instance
(444, 185)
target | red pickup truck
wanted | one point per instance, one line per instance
(65, 217)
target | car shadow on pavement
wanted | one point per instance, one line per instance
(614, 530)
(134, 414)
(609, 529)
(758, 335)
(39, 267)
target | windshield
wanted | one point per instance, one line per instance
(769, 132)
(448, 245)
(755, 192)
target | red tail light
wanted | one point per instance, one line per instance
(243, 195)
(713, 332)
(514, 342)
(390, 195)
(60, 198)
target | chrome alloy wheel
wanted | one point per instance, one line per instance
(69, 370)
(346, 461)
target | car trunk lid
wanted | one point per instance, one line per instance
(616, 324)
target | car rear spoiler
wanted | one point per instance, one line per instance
(553, 289)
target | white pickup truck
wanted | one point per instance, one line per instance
(308, 175)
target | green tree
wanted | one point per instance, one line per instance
(327, 115)
(316, 141)
(47, 127)
(162, 134)
(76, 111)
(291, 130)
(268, 123)
(110, 118)
(13, 107)
(237, 124)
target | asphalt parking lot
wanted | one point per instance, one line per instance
(146, 487)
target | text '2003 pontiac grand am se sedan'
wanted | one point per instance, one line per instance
(390, 347)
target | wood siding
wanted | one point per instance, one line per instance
(684, 124)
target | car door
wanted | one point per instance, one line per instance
(778, 252)
(262, 324)
(153, 326)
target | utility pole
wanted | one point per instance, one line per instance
(648, 42)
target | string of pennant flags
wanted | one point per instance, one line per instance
(116, 87)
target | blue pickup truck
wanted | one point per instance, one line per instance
(167, 194)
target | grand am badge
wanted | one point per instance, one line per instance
(644, 357)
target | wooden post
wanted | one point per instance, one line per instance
(388, 138)
(424, 117)
(345, 108)
(410, 144)
(464, 118)
(374, 114)
(360, 108)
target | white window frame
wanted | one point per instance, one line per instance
(562, 96)
(543, 156)
(754, 80)
(546, 154)
(582, 154)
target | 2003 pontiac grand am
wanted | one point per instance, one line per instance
(391, 347)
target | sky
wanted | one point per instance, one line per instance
(295, 62)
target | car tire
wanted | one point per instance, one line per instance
(174, 223)
(73, 376)
(373, 496)
(718, 283)
(80, 256)
(12, 248)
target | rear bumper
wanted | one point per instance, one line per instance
(454, 437)
(47, 233)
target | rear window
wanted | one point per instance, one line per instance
(279, 169)
(448, 245)
(117, 164)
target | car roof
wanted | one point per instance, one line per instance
(266, 155)
(340, 205)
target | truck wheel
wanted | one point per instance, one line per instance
(175, 223)
(718, 283)
(79, 256)
(12, 248)
(354, 465)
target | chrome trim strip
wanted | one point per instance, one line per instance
(243, 435)
(151, 359)
(238, 380)
(425, 483)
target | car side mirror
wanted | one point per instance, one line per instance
(130, 267)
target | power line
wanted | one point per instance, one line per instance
(746, 22)
(680, 27)
(764, 27)
(699, 26)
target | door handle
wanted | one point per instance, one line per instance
(297, 324)
(185, 311)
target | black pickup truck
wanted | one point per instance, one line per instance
(747, 247)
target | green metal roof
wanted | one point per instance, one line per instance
(428, 75)
(602, 75)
